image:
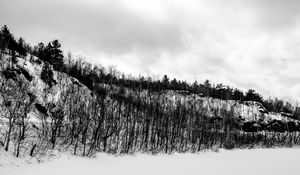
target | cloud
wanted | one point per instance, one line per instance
(105, 26)
(276, 14)
(247, 44)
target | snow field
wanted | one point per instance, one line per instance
(279, 161)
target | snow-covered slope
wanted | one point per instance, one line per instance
(248, 110)
(246, 162)
(80, 108)
(27, 71)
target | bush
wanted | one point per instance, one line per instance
(47, 75)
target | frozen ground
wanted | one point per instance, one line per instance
(242, 162)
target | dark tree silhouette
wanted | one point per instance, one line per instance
(54, 54)
(47, 75)
(251, 95)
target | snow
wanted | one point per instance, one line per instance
(247, 162)
(254, 162)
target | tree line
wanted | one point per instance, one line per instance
(89, 75)
(119, 114)
(121, 121)
(8, 43)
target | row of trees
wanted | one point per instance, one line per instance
(50, 53)
(119, 114)
(9, 44)
(277, 105)
(15, 106)
(121, 121)
(126, 122)
(89, 75)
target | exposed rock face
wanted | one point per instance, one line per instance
(41, 108)
(296, 114)
(273, 125)
(10, 74)
(25, 73)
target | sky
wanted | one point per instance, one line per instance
(245, 44)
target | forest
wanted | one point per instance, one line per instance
(100, 109)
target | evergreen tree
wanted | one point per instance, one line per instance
(238, 95)
(50, 53)
(195, 87)
(21, 47)
(174, 84)
(7, 40)
(54, 54)
(207, 88)
(166, 82)
(251, 95)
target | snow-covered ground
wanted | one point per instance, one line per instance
(277, 161)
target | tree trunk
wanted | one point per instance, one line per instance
(8, 135)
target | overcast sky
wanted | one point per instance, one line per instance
(243, 43)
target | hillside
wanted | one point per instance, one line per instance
(50, 102)
(28, 103)
(44, 109)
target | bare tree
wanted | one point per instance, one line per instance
(15, 104)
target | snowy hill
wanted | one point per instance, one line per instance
(21, 82)
(43, 109)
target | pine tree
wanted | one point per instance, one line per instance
(7, 40)
(165, 82)
(54, 54)
(251, 95)
(21, 46)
